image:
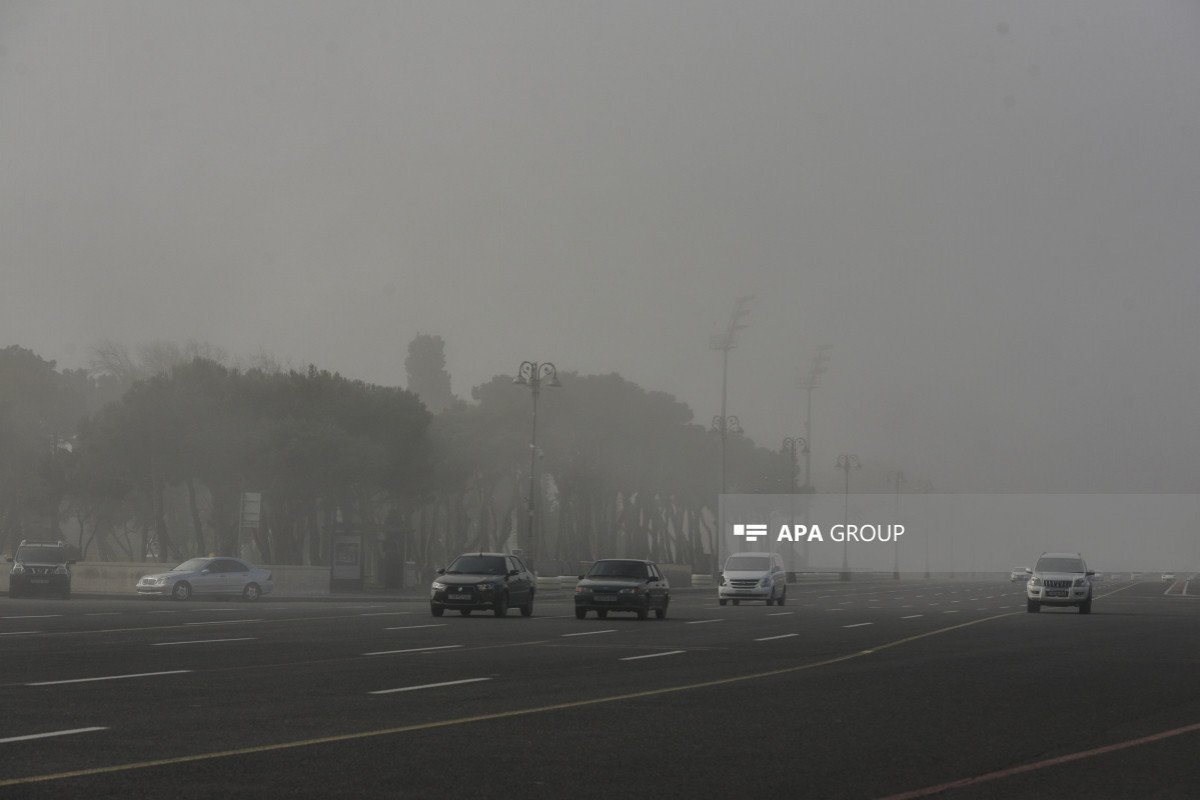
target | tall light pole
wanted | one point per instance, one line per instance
(725, 342)
(846, 463)
(896, 479)
(808, 383)
(794, 446)
(533, 375)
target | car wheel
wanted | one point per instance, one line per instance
(13, 593)
(782, 597)
(527, 609)
(501, 608)
(661, 613)
(1086, 606)
(466, 612)
(1033, 606)
(580, 613)
(251, 593)
(770, 598)
(437, 611)
(602, 613)
(722, 602)
(181, 590)
(643, 613)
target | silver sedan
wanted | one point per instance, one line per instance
(209, 577)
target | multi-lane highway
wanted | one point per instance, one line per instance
(854, 690)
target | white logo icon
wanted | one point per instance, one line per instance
(751, 532)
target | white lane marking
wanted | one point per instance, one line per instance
(205, 641)
(224, 622)
(912, 616)
(34, 616)
(702, 621)
(651, 655)
(951, 611)
(17, 633)
(592, 633)
(410, 627)
(166, 611)
(784, 636)
(835, 609)
(780, 613)
(112, 677)
(429, 686)
(858, 624)
(102, 613)
(413, 650)
(385, 613)
(48, 735)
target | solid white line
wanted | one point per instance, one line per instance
(111, 677)
(17, 633)
(591, 633)
(102, 614)
(205, 641)
(835, 609)
(951, 611)
(912, 616)
(34, 616)
(385, 613)
(410, 627)
(48, 735)
(651, 655)
(224, 622)
(428, 686)
(780, 613)
(413, 650)
(702, 621)
(784, 636)
(858, 624)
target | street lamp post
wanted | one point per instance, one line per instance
(846, 463)
(808, 383)
(726, 342)
(794, 446)
(534, 375)
(896, 479)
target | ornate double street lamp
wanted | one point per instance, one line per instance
(794, 447)
(726, 342)
(846, 463)
(534, 375)
(808, 383)
(897, 480)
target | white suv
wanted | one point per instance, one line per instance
(1059, 579)
(753, 576)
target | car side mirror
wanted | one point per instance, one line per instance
(513, 572)
(72, 561)
(580, 577)
(9, 559)
(205, 571)
(1091, 572)
(441, 571)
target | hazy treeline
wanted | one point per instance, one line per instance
(123, 464)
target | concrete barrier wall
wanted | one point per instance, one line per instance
(119, 578)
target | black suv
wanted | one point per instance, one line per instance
(40, 568)
(484, 582)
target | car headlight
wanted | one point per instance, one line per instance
(439, 585)
(721, 580)
(579, 589)
(483, 587)
(764, 581)
(1080, 582)
(631, 590)
(1035, 581)
(61, 569)
(18, 568)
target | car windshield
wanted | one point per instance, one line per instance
(191, 565)
(617, 569)
(53, 555)
(477, 565)
(748, 564)
(1060, 565)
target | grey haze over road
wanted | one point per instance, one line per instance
(989, 210)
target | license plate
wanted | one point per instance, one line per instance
(458, 597)
(1055, 593)
(39, 580)
(604, 598)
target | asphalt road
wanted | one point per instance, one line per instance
(854, 690)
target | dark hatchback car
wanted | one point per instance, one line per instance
(40, 568)
(622, 584)
(483, 582)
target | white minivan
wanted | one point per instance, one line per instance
(753, 576)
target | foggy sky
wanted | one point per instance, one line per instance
(990, 210)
